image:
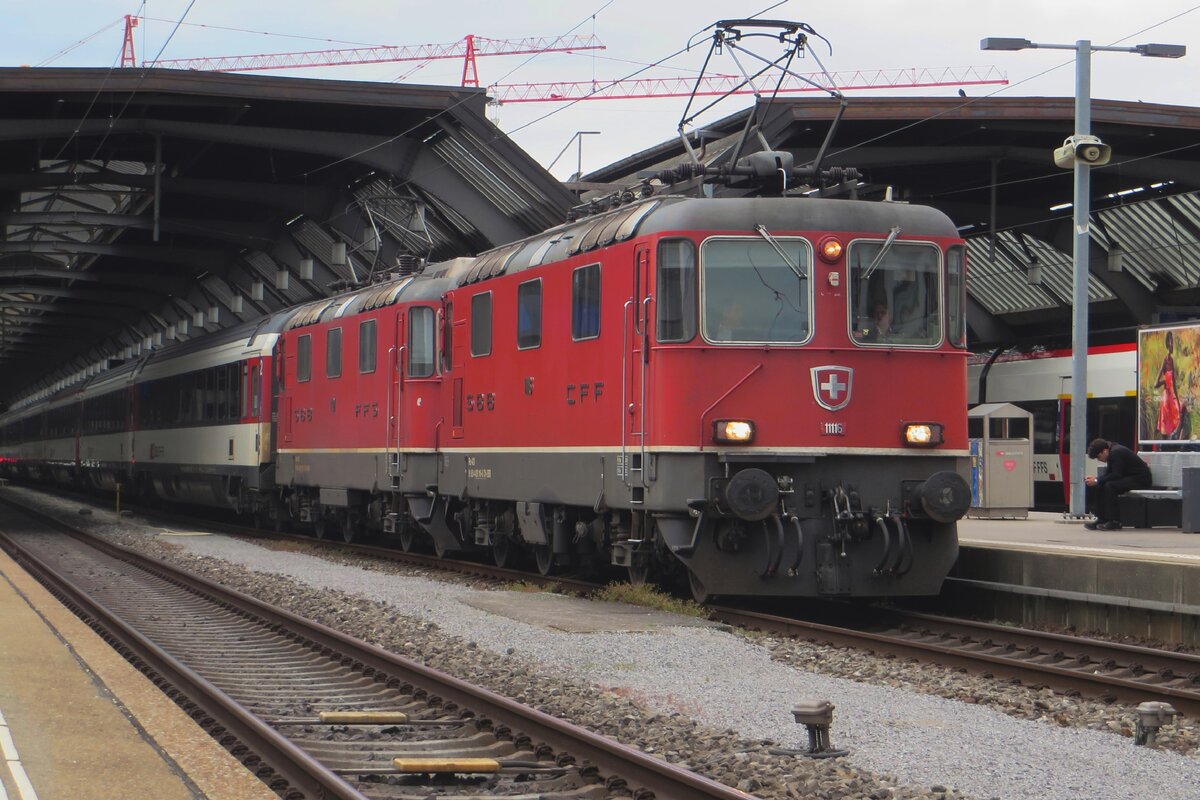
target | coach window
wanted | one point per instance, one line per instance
(235, 391)
(222, 392)
(529, 315)
(895, 294)
(956, 297)
(333, 353)
(304, 358)
(366, 346)
(755, 291)
(585, 302)
(676, 291)
(481, 324)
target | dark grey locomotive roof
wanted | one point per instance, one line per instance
(651, 215)
(674, 213)
(743, 213)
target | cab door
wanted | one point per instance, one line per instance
(456, 328)
(395, 383)
(636, 358)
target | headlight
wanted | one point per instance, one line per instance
(733, 431)
(923, 434)
(830, 249)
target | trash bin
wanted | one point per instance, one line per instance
(1001, 461)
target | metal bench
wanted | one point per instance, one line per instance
(1174, 498)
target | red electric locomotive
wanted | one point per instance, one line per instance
(763, 394)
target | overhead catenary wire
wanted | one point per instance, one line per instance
(79, 43)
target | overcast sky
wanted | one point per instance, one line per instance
(865, 35)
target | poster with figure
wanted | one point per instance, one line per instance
(1168, 385)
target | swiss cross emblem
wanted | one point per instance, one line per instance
(832, 386)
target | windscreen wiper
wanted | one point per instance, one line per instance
(883, 251)
(771, 240)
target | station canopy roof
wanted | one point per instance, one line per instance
(145, 205)
(987, 163)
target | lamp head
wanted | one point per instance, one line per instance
(1002, 43)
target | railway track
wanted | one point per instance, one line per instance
(315, 713)
(1072, 664)
(1069, 664)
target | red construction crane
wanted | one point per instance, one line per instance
(471, 47)
(711, 85)
(468, 50)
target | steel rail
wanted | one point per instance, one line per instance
(640, 772)
(1059, 677)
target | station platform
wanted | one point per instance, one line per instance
(78, 721)
(1047, 570)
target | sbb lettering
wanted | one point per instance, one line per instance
(484, 401)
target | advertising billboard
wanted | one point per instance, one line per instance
(1168, 384)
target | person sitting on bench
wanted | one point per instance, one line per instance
(1125, 472)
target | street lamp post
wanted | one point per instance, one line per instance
(1082, 213)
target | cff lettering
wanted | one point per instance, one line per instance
(582, 392)
(366, 409)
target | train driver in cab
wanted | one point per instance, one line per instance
(879, 328)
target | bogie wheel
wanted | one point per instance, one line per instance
(502, 550)
(543, 554)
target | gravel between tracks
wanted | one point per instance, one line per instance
(715, 700)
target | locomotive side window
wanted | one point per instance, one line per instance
(676, 291)
(751, 294)
(366, 346)
(304, 358)
(481, 324)
(895, 294)
(529, 315)
(956, 297)
(420, 342)
(333, 353)
(585, 302)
